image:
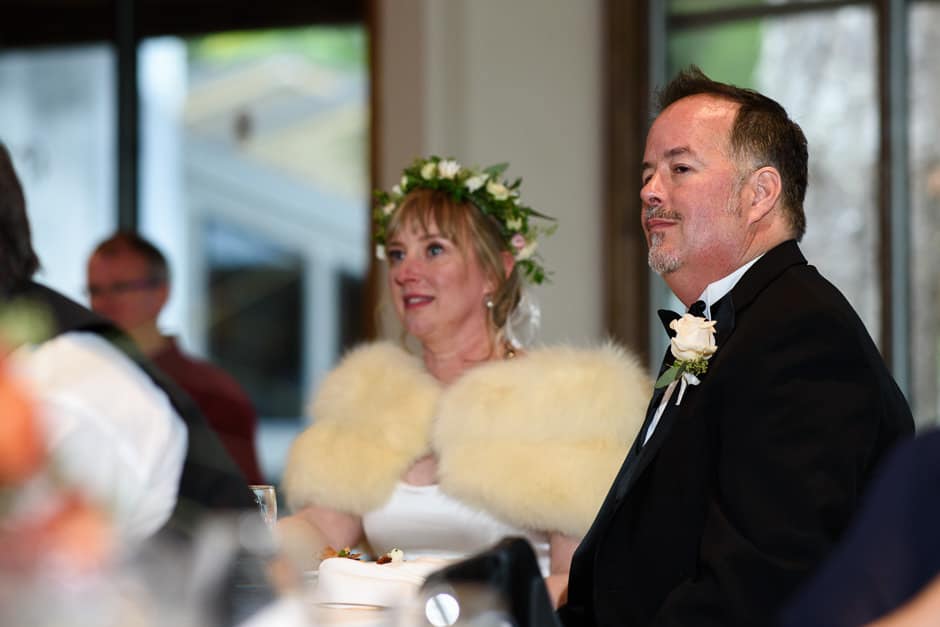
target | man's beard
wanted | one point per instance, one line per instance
(660, 261)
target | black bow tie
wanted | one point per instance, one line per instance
(667, 315)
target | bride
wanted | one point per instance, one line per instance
(445, 453)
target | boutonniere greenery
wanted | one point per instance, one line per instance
(693, 345)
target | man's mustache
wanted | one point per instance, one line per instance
(660, 214)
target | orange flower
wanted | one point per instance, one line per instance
(73, 535)
(22, 449)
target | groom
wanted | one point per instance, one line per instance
(732, 495)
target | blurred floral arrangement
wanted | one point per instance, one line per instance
(43, 520)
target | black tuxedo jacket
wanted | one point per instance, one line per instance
(746, 485)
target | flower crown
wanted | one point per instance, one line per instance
(484, 190)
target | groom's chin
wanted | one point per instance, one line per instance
(663, 264)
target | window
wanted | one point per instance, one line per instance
(254, 181)
(923, 43)
(58, 122)
(244, 154)
(829, 88)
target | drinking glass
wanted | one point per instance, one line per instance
(267, 503)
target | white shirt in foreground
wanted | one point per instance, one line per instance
(110, 430)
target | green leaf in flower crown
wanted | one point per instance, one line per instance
(482, 204)
(544, 217)
(668, 377)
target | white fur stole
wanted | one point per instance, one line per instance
(372, 415)
(535, 440)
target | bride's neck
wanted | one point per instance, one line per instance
(448, 361)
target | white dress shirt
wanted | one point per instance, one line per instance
(712, 294)
(110, 430)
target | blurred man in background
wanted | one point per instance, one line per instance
(128, 282)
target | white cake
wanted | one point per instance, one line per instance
(345, 581)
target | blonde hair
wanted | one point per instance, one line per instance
(470, 229)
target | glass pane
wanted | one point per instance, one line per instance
(255, 184)
(924, 62)
(58, 120)
(822, 68)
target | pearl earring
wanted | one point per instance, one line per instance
(489, 302)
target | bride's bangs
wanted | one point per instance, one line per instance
(425, 208)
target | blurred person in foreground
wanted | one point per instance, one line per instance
(129, 283)
(108, 427)
(886, 570)
(476, 437)
(45, 520)
(115, 425)
(773, 406)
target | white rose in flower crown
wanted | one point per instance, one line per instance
(514, 224)
(388, 208)
(380, 252)
(396, 190)
(695, 338)
(427, 172)
(448, 169)
(404, 182)
(497, 190)
(475, 182)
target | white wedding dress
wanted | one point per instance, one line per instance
(431, 529)
(422, 521)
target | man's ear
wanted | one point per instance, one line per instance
(766, 187)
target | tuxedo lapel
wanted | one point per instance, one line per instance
(640, 455)
(654, 403)
(723, 315)
(774, 262)
(628, 469)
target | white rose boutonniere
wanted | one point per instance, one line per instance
(693, 345)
